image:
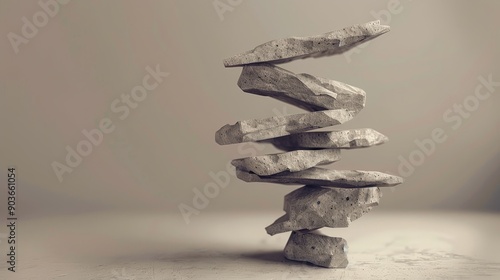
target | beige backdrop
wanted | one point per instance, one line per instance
(85, 55)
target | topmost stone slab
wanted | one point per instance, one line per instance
(288, 49)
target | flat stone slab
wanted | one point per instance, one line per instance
(317, 249)
(290, 161)
(288, 49)
(301, 90)
(343, 139)
(326, 178)
(261, 129)
(314, 207)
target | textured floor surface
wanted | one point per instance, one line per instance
(235, 246)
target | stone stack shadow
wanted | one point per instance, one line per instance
(329, 198)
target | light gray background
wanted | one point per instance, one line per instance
(66, 77)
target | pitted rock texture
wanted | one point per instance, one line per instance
(288, 49)
(343, 139)
(290, 161)
(326, 178)
(261, 129)
(318, 249)
(314, 207)
(302, 90)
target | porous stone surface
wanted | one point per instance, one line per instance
(302, 90)
(326, 178)
(287, 49)
(317, 249)
(290, 161)
(313, 207)
(343, 139)
(348, 97)
(261, 129)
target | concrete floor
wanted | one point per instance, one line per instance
(127, 246)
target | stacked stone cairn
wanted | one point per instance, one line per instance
(330, 198)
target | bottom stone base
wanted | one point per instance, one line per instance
(318, 249)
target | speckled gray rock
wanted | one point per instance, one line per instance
(287, 49)
(348, 97)
(290, 161)
(343, 139)
(326, 178)
(302, 90)
(313, 207)
(261, 129)
(318, 249)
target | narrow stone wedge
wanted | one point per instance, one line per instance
(326, 178)
(343, 139)
(290, 161)
(302, 90)
(288, 49)
(318, 249)
(261, 129)
(313, 207)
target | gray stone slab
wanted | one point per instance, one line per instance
(261, 129)
(343, 139)
(326, 178)
(289, 161)
(313, 207)
(348, 96)
(287, 49)
(317, 249)
(302, 90)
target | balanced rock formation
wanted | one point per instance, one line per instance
(330, 198)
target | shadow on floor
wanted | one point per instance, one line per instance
(205, 256)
